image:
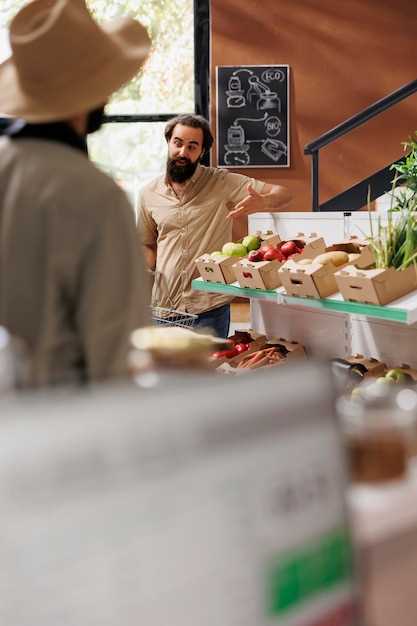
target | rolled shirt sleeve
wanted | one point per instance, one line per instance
(236, 186)
(147, 228)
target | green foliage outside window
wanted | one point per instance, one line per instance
(135, 152)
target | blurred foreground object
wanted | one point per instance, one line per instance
(159, 347)
(13, 362)
(379, 424)
(213, 504)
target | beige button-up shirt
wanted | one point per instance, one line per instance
(184, 228)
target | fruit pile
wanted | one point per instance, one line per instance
(254, 352)
(335, 258)
(239, 342)
(395, 376)
(278, 252)
(248, 243)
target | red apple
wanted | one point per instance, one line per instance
(281, 256)
(266, 248)
(288, 248)
(273, 255)
(256, 256)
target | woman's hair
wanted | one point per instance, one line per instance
(194, 121)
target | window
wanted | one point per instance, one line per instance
(131, 146)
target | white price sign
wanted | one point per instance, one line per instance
(221, 506)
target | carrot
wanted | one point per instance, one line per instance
(249, 362)
(261, 363)
(249, 359)
(262, 353)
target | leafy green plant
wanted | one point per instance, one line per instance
(395, 244)
(406, 170)
(406, 177)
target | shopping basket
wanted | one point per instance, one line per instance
(170, 317)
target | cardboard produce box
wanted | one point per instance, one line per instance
(355, 246)
(314, 245)
(268, 237)
(259, 275)
(410, 371)
(375, 286)
(311, 280)
(217, 270)
(289, 349)
(317, 279)
(264, 274)
(286, 350)
(374, 368)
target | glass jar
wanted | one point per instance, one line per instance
(379, 427)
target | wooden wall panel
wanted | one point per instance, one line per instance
(343, 57)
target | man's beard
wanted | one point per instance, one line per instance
(179, 173)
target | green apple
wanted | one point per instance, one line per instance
(234, 249)
(251, 242)
(396, 376)
(384, 381)
(215, 255)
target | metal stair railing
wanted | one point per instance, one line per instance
(355, 193)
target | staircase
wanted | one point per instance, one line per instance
(375, 185)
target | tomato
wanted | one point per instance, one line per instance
(225, 354)
(241, 347)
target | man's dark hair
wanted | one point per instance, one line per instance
(194, 121)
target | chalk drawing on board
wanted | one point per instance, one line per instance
(253, 116)
(263, 95)
(273, 73)
(273, 126)
(237, 148)
(235, 94)
(274, 149)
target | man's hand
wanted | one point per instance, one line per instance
(253, 203)
(274, 198)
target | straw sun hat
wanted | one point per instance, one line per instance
(64, 63)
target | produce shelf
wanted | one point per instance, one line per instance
(403, 310)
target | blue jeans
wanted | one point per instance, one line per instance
(217, 320)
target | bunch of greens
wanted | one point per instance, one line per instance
(395, 245)
(406, 175)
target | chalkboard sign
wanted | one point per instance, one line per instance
(253, 116)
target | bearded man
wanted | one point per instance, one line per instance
(190, 210)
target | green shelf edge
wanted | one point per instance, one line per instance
(370, 310)
(231, 290)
